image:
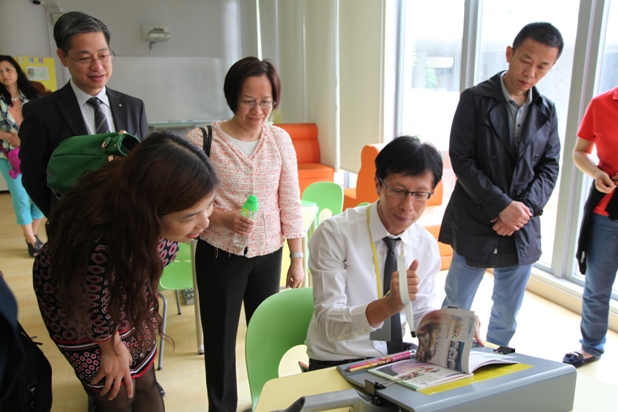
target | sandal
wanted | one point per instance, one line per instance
(577, 359)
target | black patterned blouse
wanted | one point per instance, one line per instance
(83, 351)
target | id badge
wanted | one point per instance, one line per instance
(384, 333)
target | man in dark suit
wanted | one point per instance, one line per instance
(83, 48)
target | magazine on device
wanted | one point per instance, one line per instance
(443, 354)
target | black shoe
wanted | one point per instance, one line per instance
(33, 250)
(38, 242)
(577, 359)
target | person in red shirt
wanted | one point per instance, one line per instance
(597, 253)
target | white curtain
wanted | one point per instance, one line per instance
(330, 55)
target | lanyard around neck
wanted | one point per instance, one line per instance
(376, 263)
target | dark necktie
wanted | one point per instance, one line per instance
(390, 265)
(100, 121)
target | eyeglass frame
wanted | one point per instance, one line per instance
(89, 61)
(253, 103)
(405, 193)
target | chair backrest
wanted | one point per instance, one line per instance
(436, 198)
(305, 140)
(178, 274)
(365, 184)
(184, 252)
(277, 325)
(327, 195)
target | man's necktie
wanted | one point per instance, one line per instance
(390, 265)
(100, 121)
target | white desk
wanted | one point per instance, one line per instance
(590, 394)
(282, 392)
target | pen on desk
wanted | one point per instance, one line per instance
(380, 361)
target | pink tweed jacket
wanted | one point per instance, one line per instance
(270, 173)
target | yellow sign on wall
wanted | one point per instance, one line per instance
(40, 69)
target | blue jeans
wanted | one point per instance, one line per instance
(602, 264)
(25, 209)
(510, 282)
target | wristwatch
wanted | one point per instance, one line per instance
(296, 255)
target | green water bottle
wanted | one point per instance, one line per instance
(249, 209)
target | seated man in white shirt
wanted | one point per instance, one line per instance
(355, 313)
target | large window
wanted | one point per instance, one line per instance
(607, 79)
(431, 75)
(440, 52)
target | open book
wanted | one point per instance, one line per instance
(444, 352)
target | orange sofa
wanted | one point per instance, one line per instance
(365, 191)
(305, 140)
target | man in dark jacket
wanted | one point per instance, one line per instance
(505, 149)
(83, 106)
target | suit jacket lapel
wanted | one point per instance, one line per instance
(119, 111)
(69, 108)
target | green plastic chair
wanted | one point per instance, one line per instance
(327, 195)
(277, 325)
(177, 275)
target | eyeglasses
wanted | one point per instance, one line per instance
(250, 104)
(88, 61)
(418, 196)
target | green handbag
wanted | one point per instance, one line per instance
(79, 155)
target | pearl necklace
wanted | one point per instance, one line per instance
(14, 99)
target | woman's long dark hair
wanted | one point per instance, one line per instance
(23, 84)
(122, 203)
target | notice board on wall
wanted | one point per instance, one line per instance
(174, 89)
(40, 69)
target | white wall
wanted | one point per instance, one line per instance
(331, 63)
(330, 53)
(199, 28)
(23, 29)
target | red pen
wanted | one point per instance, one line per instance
(380, 361)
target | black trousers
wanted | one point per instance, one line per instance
(224, 282)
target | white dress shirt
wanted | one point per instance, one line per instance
(344, 282)
(88, 111)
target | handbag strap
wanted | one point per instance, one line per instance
(207, 139)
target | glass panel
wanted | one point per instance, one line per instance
(432, 61)
(609, 62)
(500, 23)
(608, 79)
